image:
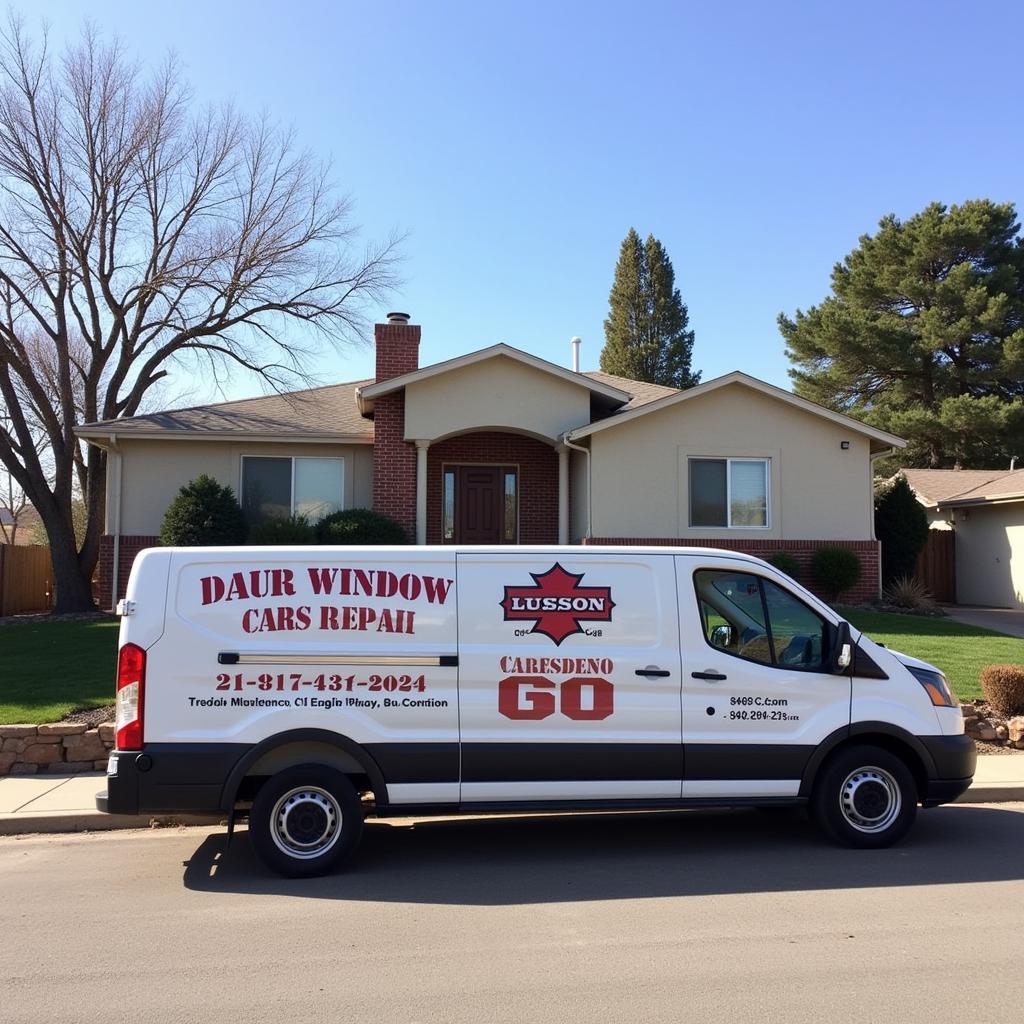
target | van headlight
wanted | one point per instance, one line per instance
(936, 686)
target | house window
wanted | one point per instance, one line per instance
(731, 493)
(278, 487)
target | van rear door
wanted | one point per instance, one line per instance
(569, 676)
(758, 694)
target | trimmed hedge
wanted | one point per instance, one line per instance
(1003, 687)
(835, 569)
(204, 513)
(785, 562)
(293, 530)
(359, 526)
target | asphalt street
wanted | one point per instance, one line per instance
(729, 916)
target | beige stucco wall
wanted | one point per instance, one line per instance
(580, 496)
(153, 471)
(817, 491)
(990, 555)
(499, 394)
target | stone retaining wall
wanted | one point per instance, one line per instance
(59, 747)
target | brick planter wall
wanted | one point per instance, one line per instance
(538, 479)
(868, 551)
(59, 747)
(129, 547)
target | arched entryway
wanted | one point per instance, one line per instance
(492, 487)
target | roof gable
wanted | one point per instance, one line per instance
(614, 395)
(885, 439)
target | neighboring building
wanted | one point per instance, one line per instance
(501, 447)
(985, 510)
(26, 527)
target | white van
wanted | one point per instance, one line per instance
(311, 686)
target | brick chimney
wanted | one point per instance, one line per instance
(394, 459)
(398, 346)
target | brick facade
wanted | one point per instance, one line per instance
(129, 547)
(394, 459)
(868, 588)
(538, 479)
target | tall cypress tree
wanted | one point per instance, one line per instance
(647, 334)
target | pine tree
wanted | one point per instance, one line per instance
(923, 335)
(646, 332)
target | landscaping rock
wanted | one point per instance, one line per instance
(61, 729)
(107, 731)
(43, 739)
(85, 747)
(12, 746)
(71, 766)
(18, 731)
(6, 761)
(984, 732)
(42, 753)
(24, 769)
(1015, 729)
(100, 766)
(1002, 733)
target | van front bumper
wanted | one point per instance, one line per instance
(167, 777)
(955, 759)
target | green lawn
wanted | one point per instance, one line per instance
(50, 668)
(960, 651)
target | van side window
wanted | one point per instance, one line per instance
(755, 619)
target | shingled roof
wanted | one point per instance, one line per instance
(328, 412)
(965, 486)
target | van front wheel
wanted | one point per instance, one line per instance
(865, 797)
(305, 821)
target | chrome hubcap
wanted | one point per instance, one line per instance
(870, 799)
(306, 822)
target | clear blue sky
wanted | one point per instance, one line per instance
(517, 143)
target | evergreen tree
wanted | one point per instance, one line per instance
(923, 335)
(203, 513)
(646, 332)
(901, 525)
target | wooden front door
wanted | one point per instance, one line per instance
(483, 514)
(479, 511)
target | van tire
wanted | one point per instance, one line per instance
(306, 821)
(865, 797)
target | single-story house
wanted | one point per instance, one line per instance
(985, 510)
(498, 446)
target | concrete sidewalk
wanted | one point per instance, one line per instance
(1002, 620)
(66, 803)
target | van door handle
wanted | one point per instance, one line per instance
(652, 671)
(709, 675)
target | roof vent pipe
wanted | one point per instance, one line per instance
(576, 342)
(398, 318)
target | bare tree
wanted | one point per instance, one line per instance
(137, 233)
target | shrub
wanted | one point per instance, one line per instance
(275, 530)
(901, 525)
(909, 593)
(203, 513)
(785, 562)
(359, 526)
(1003, 687)
(835, 569)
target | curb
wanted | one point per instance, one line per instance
(96, 821)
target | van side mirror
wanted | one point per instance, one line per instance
(722, 636)
(842, 649)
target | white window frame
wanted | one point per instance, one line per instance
(729, 460)
(291, 458)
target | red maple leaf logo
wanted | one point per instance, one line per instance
(557, 604)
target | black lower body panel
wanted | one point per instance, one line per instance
(171, 777)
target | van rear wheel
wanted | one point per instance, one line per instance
(865, 797)
(306, 821)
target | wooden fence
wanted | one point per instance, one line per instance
(936, 565)
(26, 579)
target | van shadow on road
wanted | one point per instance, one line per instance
(490, 862)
